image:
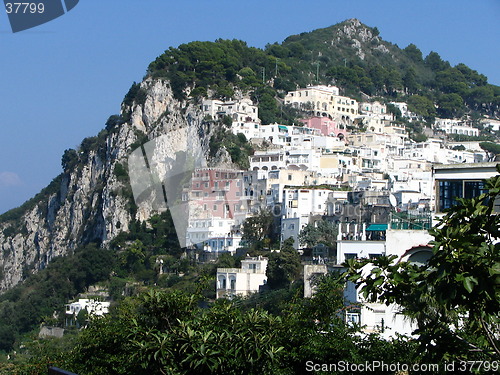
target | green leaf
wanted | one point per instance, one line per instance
(469, 282)
(495, 269)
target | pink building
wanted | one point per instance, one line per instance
(326, 126)
(217, 191)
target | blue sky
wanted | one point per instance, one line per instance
(62, 80)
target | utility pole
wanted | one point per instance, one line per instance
(264, 75)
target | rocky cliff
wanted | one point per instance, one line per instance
(91, 200)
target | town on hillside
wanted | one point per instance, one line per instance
(350, 172)
(349, 164)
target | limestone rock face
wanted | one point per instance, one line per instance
(361, 37)
(89, 202)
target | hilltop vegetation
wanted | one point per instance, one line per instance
(349, 55)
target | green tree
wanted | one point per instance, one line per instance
(168, 333)
(133, 257)
(410, 81)
(413, 53)
(322, 231)
(493, 149)
(451, 81)
(450, 106)
(260, 230)
(69, 160)
(422, 106)
(283, 267)
(434, 61)
(393, 82)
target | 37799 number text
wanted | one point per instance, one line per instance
(24, 8)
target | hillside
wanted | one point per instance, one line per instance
(91, 201)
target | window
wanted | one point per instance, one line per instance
(215, 207)
(448, 191)
(474, 189)
(350, 256)
(221, 282)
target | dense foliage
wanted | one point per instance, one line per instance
(327, 56)
(237, 146)
(27, 305)
(169, 333)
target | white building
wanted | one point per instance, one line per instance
(249, 129)
(299, 206)
(461, 181)
(407, 245)
(240, 111)
(278, 179)
(454, 126)
(294, 159)
(242, 281)
(324, 101)
(390, 141)
(92, 307)
(372, 108)
(403, 108)
(434, 151)
(491, 123)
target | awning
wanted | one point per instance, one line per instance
(376, 227)
(282, 127)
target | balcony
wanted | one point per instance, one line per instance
(409, 221)
(228, 270)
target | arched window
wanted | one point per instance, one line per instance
(232, 282)
(221, 282)
(420, 257)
